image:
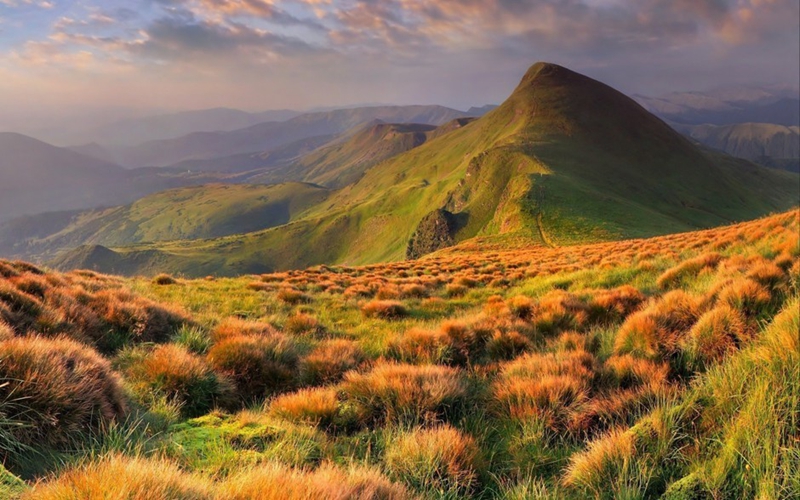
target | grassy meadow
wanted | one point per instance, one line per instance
(655, 368)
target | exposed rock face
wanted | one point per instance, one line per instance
(435, 231)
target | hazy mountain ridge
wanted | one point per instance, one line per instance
(760, 142)
(265, 136)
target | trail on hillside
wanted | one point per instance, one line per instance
(542, 234)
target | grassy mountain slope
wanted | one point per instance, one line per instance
(265, 136)
(207, 211)
(663, 368)
(344, 161)
(565, 159)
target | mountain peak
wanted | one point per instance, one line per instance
(546, 71)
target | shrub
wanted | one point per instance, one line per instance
(435, 461)
(119, 477)
(274, 481)
(318, 406)
(184, 378)
(259, 365)
(405, 393)
(330, 361)
(64, 389)
(164, 279)
(384, 309)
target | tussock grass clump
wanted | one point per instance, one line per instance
(164, 279)
(384, 309)
(258, 365)
(330, 360)
(716, 334)
(423, 347)
(303, 324)
(279, 482)
(657, 330)
(748, 296)
(293, 296)
(506, 345)
(184, 378)
(440, 461)
(673, 276)
(637, 462)
(64, 390)
(233, 327)
(455, 290)
(400, 393)
(615, 304)
(119, 477)
(547, 386)
(317, 406)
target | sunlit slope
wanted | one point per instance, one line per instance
(565, 159)
(207, 211)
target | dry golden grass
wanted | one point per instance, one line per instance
(423, 347)
(278, 482)
(438, 460)
(184, 378)
(688, 268)
(330, 360)
(597, 468)
(318, 406)
(258, 365)
(232, 327)
(384, 309)
(66, 389)
(547, 386)
(405, 393)
(303, 324)
(118, 477)
(715, 335)
(747, 296)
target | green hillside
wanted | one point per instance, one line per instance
(565, 159)
(208, 211)
(344, 161)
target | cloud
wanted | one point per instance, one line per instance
(263, 53)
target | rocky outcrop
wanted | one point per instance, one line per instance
(435, 231)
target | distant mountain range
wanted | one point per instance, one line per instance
(565, 159)
(269, 135)
(755, 123)
(777, 104)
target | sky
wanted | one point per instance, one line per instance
(63, 58)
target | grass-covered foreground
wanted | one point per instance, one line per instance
(667, 367)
